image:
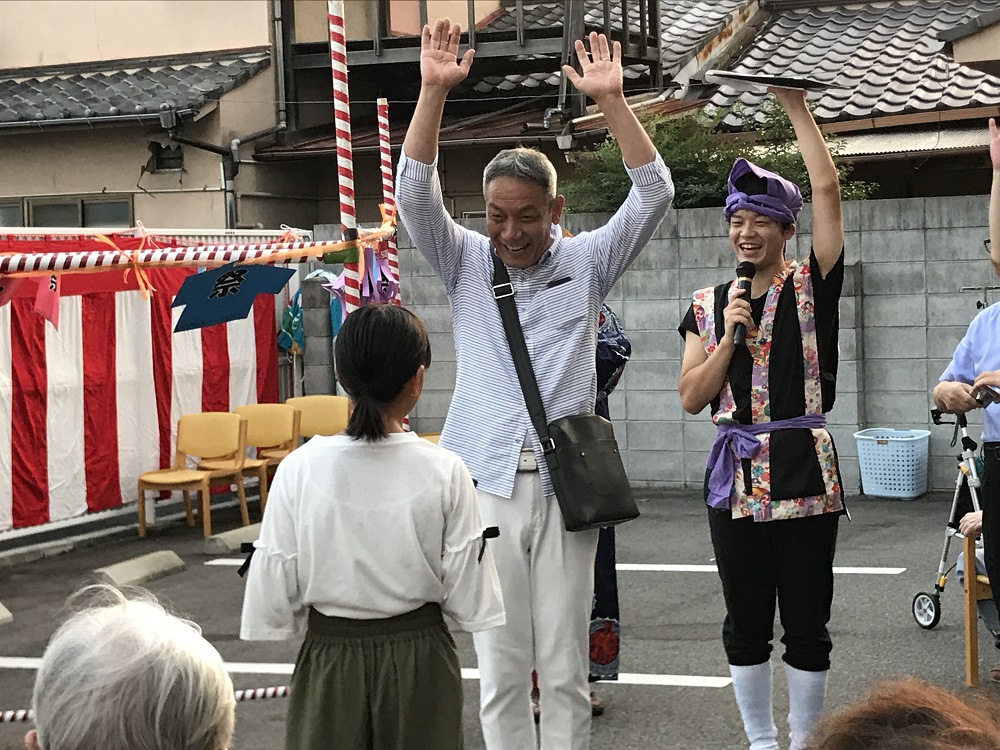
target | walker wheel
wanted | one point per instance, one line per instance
(927, 610)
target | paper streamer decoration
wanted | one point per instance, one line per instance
(47, 299)
(378, 284)
(7, 288)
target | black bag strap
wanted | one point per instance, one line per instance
(503, 293)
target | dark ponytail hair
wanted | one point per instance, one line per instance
(378, 349)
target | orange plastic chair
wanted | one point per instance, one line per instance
(218, 436)
(270, 427)
(321, 415)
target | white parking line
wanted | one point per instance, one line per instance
(18, 662)
(265, 668)
(652, 568)
(649, 568)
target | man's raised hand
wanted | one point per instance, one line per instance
(602, 68)
(789, 99)
(439, 63)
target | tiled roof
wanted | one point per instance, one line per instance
(951, 140)
(884, 57)
(970, 27)
(122, 89)
(685, 26)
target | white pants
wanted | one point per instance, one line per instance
(547, 577)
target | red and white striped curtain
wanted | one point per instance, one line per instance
(88, 407)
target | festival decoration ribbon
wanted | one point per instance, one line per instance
(145, 287)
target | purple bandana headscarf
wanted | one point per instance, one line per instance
(781, 202)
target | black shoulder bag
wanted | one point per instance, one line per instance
(580, 451)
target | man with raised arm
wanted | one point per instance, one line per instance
(559, 283)
(773, 485)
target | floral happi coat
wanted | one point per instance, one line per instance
(768, 487)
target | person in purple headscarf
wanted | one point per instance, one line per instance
(772, 484)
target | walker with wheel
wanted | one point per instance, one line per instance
(926, 605)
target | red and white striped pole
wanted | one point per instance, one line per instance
(345, 158)
(388, 197)
(251, 694)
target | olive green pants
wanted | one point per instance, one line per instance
(390, 684)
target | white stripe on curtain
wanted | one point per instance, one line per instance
(243, 358)
(138, 428)
(64, 412)
(187, 365)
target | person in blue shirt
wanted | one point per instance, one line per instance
(975, 366)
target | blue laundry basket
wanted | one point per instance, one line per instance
(893, 462)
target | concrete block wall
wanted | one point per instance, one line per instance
(916, 257)
(902, 313)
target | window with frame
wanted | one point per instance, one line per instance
(10, 214)
(80, 212)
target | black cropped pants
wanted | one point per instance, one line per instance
(786, 562)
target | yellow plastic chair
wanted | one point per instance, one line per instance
(217, 436)
(277, 451)
(432, 436)
(321, 415)
(272, 427)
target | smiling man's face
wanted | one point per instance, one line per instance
(519, 219)
(757, 238)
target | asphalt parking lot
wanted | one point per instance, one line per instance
(672, 611)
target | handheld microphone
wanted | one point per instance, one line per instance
(745, 272)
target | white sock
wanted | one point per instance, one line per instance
(752, 686)
(806, 691)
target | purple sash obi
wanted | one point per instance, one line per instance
(739, 440)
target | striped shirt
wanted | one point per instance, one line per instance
(558, 301)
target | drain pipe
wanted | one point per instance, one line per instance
(230, 168)
(230, 163)
(281, 37)
(230, 156)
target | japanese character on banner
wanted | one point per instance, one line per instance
(47, 298)
(228, 283)
(227, 293)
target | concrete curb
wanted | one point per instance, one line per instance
(36, 552)
(5, 616)
(138, 570)
(229, 542)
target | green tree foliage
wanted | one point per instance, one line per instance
(700, 157)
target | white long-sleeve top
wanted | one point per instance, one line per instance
(558, 303)
(369, 530)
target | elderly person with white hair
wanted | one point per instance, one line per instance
(124, 674)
